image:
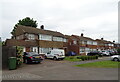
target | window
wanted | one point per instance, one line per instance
(84, 42)
(44, 50)
(94, 43)
(74, 42)
(64, 40)
(45, 37)
(31, 36)
(35, 49)
(87, 50)
(82, 49)
(58, 39)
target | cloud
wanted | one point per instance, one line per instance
(97, 17)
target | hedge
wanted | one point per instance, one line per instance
(87, 57)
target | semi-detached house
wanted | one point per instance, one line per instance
(36, 39)
(81, 45)
(42, 41)
(104, 44)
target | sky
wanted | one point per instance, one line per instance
(95, 18)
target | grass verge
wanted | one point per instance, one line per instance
(101, 64)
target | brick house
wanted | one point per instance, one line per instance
(117, 45)
(86, 44)
(104, 44)
(37, 40)
(81, 45)
(42, 41)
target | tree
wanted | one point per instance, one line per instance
(25, 22)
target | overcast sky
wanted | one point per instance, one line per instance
(95, 18)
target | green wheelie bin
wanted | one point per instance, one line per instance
(12, 63)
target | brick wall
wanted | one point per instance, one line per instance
(50, 44)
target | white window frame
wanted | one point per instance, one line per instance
(74, 42)
(31, 36)
(58, 39)
(45, 37)
(44, 50)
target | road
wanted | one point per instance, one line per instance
(60, 70)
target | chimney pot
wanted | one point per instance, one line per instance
(42, 27)
(101, 38)
(82, 34)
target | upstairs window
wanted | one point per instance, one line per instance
(65, 40)
(74, 42)
(94, 43)
(45, 37)
(58, 39)
(31, 36)
(84, 42)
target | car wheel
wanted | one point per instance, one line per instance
(62, 58)
(55, 58)
(115, 59)
(45, 57)
(26, 61)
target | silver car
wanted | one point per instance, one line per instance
(115, 58)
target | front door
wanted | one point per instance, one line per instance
(27, 49)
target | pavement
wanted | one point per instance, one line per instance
(60, 70)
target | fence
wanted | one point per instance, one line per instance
(7, 51)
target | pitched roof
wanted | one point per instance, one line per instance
(67, 36)
(26, 29)
(104, 41)
(83, 38)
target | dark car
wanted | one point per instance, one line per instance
(32, 57)
(71, 53)
(93, 53)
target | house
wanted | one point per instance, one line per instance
(86, 44)
(37, 39)
(117, 45)
(104, 44)
(42, 41)
(81, 45)
(73, 44)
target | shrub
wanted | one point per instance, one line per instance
(96, 57)
(82, 57)
(78, 57)
(90, 57)
(71, 57)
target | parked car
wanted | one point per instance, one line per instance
(32, 57)
(105, 52)
(93, 53)
(71, 53)
(56, 54)
(112, 52)
(115, 58)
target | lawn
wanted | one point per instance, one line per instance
(101, 64)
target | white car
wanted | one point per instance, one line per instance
(104, 52)
(115, 58)
(56, 54)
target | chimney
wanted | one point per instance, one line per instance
(42, 27)
(82, 34)
(101, 38)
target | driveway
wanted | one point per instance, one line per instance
(60, 70)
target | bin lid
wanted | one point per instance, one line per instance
(12, 57)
